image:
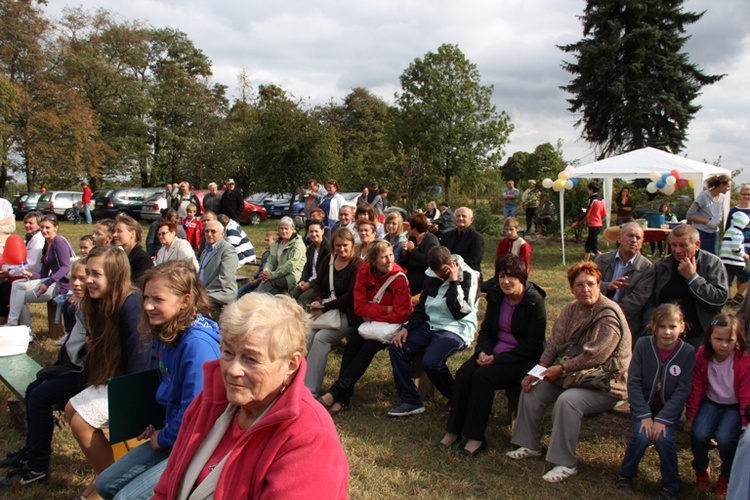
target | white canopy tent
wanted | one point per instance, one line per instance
(639, 164)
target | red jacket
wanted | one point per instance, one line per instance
(193, 231)
(397, 295)
(700, 382)
(293, 452)
(86, 198)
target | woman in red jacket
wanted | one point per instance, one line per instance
(394, 307)
(255, 431)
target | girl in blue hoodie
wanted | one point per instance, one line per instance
(659, 382)
(173, 303)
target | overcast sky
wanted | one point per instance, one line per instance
(319, 50)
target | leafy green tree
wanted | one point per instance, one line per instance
(447, 118)
(361, 123)
(286, 145)
(633, 84)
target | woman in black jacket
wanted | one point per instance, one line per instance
(317, 252)
(509, 344)
(415, 250)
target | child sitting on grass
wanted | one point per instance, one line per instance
(513, 243)
(659, 382)
(721, 387)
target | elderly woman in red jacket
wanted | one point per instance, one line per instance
(395, 307)
(255, 431)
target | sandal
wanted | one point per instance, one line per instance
(560, 473)
(325, 405)
(337, 408)
(523, 452)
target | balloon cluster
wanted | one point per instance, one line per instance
(667, 183)
(564, 180)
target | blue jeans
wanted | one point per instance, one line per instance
(510, 212)
(134, 475)
(709, 242)
(438, 345)
(87, 213)
(722, 422)
(665, 447)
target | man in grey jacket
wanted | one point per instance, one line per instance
(692, 278)
(628, 276)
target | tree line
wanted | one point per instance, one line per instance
(91, 97)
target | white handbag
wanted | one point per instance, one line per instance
(379, 330)
(331, 319)
(14, 340)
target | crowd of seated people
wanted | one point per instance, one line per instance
(231, 378)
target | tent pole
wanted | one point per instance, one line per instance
(562, 223)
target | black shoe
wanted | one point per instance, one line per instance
(464, 453)
(624, 485)
(665, 494)
(24, 477)
(13, 460)
(444, 447)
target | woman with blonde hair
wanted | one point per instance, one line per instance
(705, 212)
(394, 233)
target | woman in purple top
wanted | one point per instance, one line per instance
(50, 281)
(509, 344)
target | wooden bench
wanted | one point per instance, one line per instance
(17, 372)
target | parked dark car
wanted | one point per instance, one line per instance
(24, 204)
(267, 199)
(281, 208)
(122, 201)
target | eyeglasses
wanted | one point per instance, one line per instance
(50, 217)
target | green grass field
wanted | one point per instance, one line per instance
(397, 458)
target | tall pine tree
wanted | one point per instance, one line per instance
(633, 85)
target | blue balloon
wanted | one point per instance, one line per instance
(664, 177)
(574, 181)
(660, 184)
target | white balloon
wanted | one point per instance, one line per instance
(670, 180)
(654, 176)
(563, 175)
(568, 184)
(547, 183)
(651, 187)
(669, 189)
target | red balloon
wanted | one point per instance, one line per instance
(682, 183)
(675, 173)
(15, 250)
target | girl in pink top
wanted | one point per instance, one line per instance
(717, 402)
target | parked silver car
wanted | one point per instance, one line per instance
(58, 202)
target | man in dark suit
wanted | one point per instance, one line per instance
(464, 240)
(218, 266)
(628, 276)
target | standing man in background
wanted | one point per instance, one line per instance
(510, 200)
(232, 203)
(85, 202)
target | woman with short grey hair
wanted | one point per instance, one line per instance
(287, 258)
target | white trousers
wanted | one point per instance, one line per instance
(22, 292)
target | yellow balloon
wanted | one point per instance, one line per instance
(560, 184)
(691, 183)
